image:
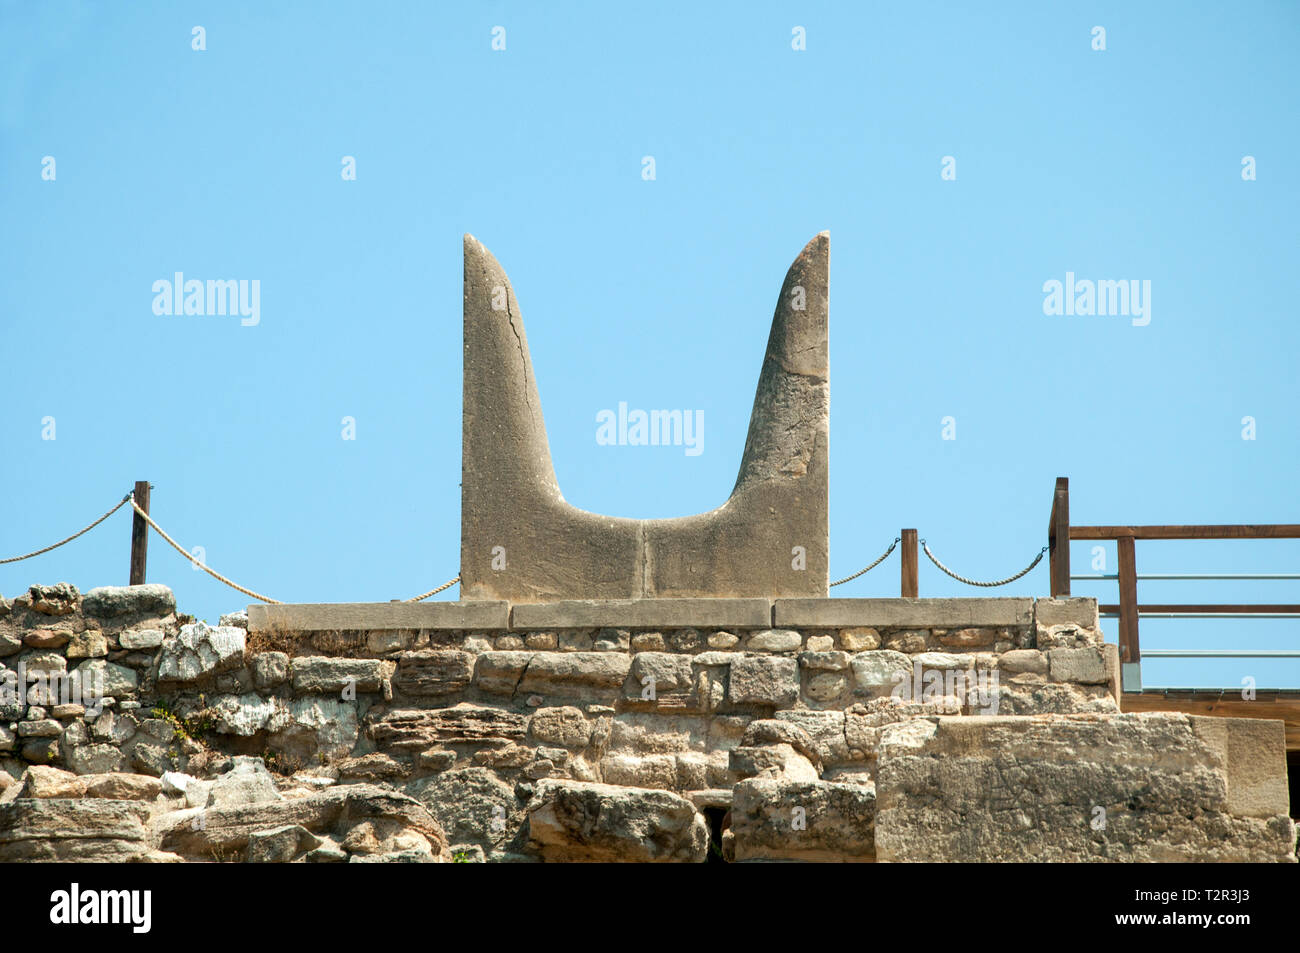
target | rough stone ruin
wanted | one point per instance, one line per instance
(613, 690)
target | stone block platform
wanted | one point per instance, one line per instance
(639, 730)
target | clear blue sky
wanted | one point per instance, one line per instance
(225, 163)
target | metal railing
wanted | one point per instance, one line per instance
(1128, 610)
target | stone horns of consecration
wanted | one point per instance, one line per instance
(521, 541)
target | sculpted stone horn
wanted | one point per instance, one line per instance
(522, 542)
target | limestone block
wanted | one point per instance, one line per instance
(331, 676)
(472, 806)
(270, 669)
(141, 638)
(200, 650)
(763, 680)
(88, 644)
(998, 788)
(1083, 666)
(575, 674)
(56, 600)
(1253, 752)
(877, 673)
(1023, 661)
(859, 639)
(499, 672)
(96, 678)
(771, 761)
(433, 672)
(47, 638)
(667, 671)
(803, 820)
(72, 830)
(108, 602)
(584, 821)
(566, 726)
(774, 640)
(465, 723)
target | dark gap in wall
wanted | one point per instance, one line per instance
(719, 820)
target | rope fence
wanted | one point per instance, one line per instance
(883, 557)
(984, 585)
(211, 572)
(909, 558)
(15, 559)
(140, 512)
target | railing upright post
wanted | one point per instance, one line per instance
(909, 564)
(1130, 653)
(139, 534)
(1058, 539)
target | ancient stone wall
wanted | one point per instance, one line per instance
(653, 730)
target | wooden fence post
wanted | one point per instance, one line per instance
(1130, 654)
(909, 586)
(139, 534)
(1058, 539)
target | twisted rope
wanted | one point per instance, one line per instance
(14, 559)
(434, 592)
(214, 574)
(972, 582)
(882, 558)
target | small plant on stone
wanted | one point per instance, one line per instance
(179, 731)
(193, 728)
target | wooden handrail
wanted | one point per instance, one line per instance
(1209, 531)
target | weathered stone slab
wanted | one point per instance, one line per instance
(763, 680)
(498, 673)
(96, 678)
(902, 613)
(375, 616)
(472, 805)
(1080, 611)
(582, 821)
(878, 672)
(83, 830)
(575, 674)
(316, 726)
(200, 833)
(1142, 787)
(419, 729)
(643, 614)
(775, 819)
(245, 715)
(141, 639)
(201, 650)
(774, 640)
(59, 599)
(433, 672)
(322, 675)
(1252, 750)
(1083, 666)
(107, 602)
(667, 671)
(565, 726)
